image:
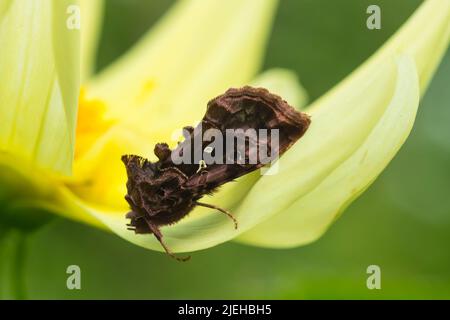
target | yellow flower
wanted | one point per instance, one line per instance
(197, 51)
(40, 83)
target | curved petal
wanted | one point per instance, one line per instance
(305, 219)
(92, 18)
(425, 38)
(39, 64)
(197, 51)
(25, 188)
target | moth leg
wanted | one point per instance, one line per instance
(155, 230)
(211, 206)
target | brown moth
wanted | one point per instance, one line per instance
(163, 192)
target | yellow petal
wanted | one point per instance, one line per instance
(197, 51)
(39, 63)
(25, 188)
(91, 23)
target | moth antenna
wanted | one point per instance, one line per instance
(158, 236)
(211, 206)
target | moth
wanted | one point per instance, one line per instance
(162, 193)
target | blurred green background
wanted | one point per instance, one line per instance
(402, 223)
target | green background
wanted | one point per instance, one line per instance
(402, 223)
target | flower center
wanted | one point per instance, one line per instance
(92, 123)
